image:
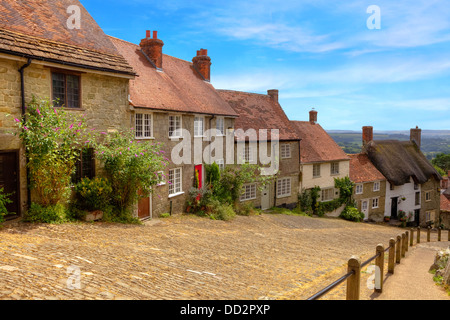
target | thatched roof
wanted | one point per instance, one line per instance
(399, 161)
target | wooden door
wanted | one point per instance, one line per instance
(199, 169)
(9, 180)
(144, 208)
(365, 208)
(265, 198)
(394, 207)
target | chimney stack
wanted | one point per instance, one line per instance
(273, 94)
(153, 48)
(367, 135)
(416, 136)
(202, 63)
(313, 116)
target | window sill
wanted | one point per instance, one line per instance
(175, 138)
(176, 194)
(244, 200)
(145, 138)
(283, 196)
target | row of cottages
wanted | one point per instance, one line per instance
(394, 176)
(119, 85)
(40, 56)
(173, 102)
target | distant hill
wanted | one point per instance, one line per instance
(433, 141)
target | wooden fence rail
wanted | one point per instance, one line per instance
(396, 251)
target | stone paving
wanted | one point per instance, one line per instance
(183, 257)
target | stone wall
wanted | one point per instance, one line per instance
(432, 205)
(375, 214)
(104, 103)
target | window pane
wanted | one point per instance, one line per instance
(139, 125)
(220, 126)
(58, 89)
(147, 125)
(73, 91)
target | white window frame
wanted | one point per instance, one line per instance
(221, 164)
(284, 187)
(177, 132)
(248, 153)
(199, 131)
(163, 178)
(220, 126)
(375, 203)
(333, 170)
(248, 192)
(144, 129)
(175, 183)
(428, 196)
(316, 167)
(285, 151)
(364, 205)
(376, 186)
(324, 199)
(359, 188)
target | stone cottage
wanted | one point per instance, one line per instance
(370, 187)
(412, 182)
(262, 115)
(41, 56)
(173, 102)
(321, 160)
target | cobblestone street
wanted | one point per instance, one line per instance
(184, 257)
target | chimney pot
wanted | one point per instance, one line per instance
(274, 94)
(416, 136)
(367, 135)
(313, 116)
(153, 48)
(202, 63)
(147, 35)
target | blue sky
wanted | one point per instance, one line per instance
(319, 54)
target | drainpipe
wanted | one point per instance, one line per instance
(22, 88)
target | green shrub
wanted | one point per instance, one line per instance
(221, 211)
(352, 214)
(93, 194)
(49, 214)
(247, 209)
(4, 200)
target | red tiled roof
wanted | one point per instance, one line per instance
(259, 111)
(362, 170)
(445, 203)
(316, 144)
(38, 29)
(177, 88)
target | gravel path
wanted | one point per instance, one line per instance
(183, 257)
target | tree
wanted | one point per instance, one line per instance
(131, 166)
(442, 161)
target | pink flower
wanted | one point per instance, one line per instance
(25, 128)
(37, 110)
(17, 120)
(71, 126)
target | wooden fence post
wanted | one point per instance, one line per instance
(406, 241)
(379, 263)
(354, 281)
(418, 234)
(411, 238)
(428, 234)
(397, 249)
(403, 245)
(391, 259)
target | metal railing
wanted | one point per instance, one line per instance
(397, 250)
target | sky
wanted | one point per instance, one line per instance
(358, 65)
